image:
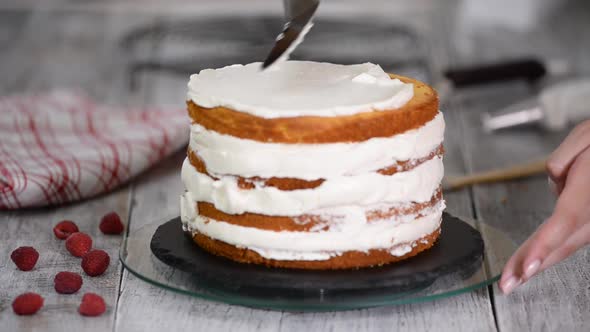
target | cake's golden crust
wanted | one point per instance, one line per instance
(296, 184)
(305, 223)
(348, 259)
(422, 108)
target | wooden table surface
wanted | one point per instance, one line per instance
(61, 45)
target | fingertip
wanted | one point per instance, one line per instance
(510, 284)
(514, 265)
(508, 270)
(531, 268)
(532, 263)
(555, 166)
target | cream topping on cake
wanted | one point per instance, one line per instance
(229, 155)
(416, 185)
(357, 235)
(299, 88)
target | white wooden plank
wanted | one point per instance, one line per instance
(54, 50)
(34, 228)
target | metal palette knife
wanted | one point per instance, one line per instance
(299, 14)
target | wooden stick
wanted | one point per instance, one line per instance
(497, 175)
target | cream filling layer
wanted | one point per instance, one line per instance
(353, 235)
(416, 185)
(229, 155)
(299, 88)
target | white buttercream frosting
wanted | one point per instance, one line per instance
(417, 185)
(286, 245)
(225, 154)
(299, 88)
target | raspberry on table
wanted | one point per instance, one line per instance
(95, 262)
(27, 304)
(111, 224)
(78, 244)
(65, 228)
(67, 282)
(92, 305)
(25, 258)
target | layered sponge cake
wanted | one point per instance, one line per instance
(312, 165)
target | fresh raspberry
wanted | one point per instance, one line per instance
(92, 305)
(111, 224)
(25, 258)
(27, 304)
(67, 282)
(64, 228)
(78, 244)
(95, 262)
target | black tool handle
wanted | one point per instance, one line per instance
(529, 69)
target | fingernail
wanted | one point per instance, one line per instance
(509, 285)
(532, 268)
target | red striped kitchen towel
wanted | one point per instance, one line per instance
(62, 147)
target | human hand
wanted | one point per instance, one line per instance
(568, 228)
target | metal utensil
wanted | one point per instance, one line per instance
(527, 68)
(534, 70)
(555, 108)
(299, 14)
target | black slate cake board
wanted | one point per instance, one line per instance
(458, 250)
